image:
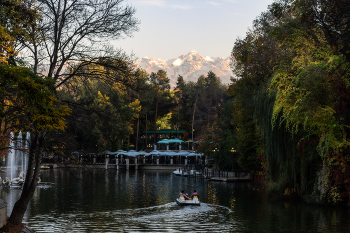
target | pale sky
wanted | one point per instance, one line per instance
(170, 28)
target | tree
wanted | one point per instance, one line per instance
(161, 87)
(180, 85)
(74, 42)
(332, 17)
(75, 34)
(312, 94)
(69, 37)
(15, 19)
(209, 101)
(291, 102)
(141, 85)
(29, 106)
(185, 94)
(101, 114)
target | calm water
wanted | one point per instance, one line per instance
(143, 201)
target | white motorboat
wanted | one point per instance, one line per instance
(191, 201)
(177, 172)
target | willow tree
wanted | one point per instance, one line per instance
(312, 91)
(254, 60)
(293, 97)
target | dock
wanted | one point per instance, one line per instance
(233, 179)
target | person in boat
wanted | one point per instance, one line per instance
(186, 196)
(181, 193)
(194, 194)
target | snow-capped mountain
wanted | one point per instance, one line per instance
(190, 66)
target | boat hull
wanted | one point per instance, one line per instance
(177, 173)
(188, 202)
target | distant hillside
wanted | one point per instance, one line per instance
(190, 66)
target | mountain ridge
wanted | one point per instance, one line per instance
(190, 66)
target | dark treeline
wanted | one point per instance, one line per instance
(112, 116)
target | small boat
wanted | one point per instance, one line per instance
(177, 172)
(191, 201)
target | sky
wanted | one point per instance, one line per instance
(170, 28)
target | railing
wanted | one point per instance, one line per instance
(201, 170)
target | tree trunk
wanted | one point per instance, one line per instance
(178, 126)
(209, 110)
(155, 123)
(137, 134)
(194, 111)
(155, 119)
(146, 131)
(31, 180)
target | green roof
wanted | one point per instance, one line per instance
(164, 131)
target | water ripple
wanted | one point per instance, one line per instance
(163, 218)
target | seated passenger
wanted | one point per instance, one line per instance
(194, 194)
(181, 193)
(186, 196)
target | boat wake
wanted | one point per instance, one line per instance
(163, 218)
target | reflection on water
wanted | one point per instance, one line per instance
(143, 201)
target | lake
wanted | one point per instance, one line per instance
(144, 201)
